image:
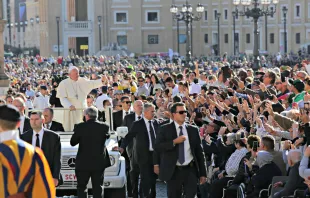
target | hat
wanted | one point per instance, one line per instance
(104, 88)
(43, 87)
(299, 85)
(9, 113)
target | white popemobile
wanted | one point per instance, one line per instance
(114, 176)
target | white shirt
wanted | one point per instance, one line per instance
(41, 102)
(9, 135)
(21, 126)
(194, 88)
(34, 137)
(100, 99)
(188, 154)
(148, 131)
(124, 113)
(175, 90)
(138, 116)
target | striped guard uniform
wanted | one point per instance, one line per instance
(24, 170)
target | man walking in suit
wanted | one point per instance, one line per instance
(24, 120)
(182, 160)
(48, 114)
(118, 118)
(134, 168)
(92, 157)
(144, 132)
(47, 140)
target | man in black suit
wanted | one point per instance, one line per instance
(47, 140)
(92, 157)
(118, 118)
(144, 131)
(134, 168)
(182, 160)
(24, 120)
(48, 114)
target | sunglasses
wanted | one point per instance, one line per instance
(141, 80)
(181, 112)
(119, 105)
(127, 102)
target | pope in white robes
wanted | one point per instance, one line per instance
(72, 93)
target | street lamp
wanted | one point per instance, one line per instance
(99, 27)
(234, 13)
(266, 13)
(284, 9)
(255, 13)
(57, 20)
(31, 21)
(218, 16)
(37, 19)
(186, 14)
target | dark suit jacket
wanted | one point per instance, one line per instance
(141, 147)
(92, 154)
(128, 122)
(54, 100)
(169, 153)
(51, 148)
(118, 119)
(56, 126)
(27, 126)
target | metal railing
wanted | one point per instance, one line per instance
(78, 25)
(60, 115)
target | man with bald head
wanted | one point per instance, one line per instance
(24, 120)
(295, 181)
(72, 93)
(133, 174)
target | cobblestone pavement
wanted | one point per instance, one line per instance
(161, 191)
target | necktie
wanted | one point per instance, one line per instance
(139, 117)
(181, 148)
(127, 113)
(152, 134)
(38, 141)
(48, 126)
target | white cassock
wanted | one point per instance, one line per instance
(74, 93)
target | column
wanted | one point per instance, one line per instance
(4, 80)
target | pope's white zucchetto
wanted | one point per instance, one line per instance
(72, 68)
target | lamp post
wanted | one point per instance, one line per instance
(186, 14)
(58, 49)
(99, 27)
(234, 24)
(284, 9)
(255, 12)
(268, 12)
(218, 15)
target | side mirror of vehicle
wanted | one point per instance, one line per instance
(122, 131)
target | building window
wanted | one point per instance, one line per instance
(122, 40)
(297, 38)
(152, 16)
(215, 15)
(226, 38)
(297, 11)
(225, 14)
(206, 38)
(271, 37)
(153, 39)
(121, 17)
(248, 38)
(206, 15)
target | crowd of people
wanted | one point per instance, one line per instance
(209, 129)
